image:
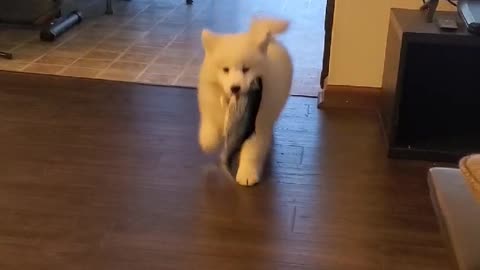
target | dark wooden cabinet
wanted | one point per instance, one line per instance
(431, 89)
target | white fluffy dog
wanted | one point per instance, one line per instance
(231, 62)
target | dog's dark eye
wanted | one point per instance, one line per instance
(245, 69)
(226, 69)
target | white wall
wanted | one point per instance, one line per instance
(359, 38)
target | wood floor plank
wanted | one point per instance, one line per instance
(104, 175)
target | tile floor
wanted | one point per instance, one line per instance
(158, 41)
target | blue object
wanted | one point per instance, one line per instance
(240, 121)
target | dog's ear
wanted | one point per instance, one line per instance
(208, 40)
(262, 39)
(274, 26)
(262, 30)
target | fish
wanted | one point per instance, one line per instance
(240, 120)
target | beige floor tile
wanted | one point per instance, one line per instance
(31, 49)
(80, 43)
(163, 58)
(197, 60)
(126, 34)
(165, 35)
(192, 70)
(304, 89)
(308, 71)
(165, 69)
(189, 37)
(176, 52)
(92, 63)
(112, 47)
(111, 74)
(10, 65)
(130, 11)
(137, 57)
(24, 57)
(154, 78)
(102, 27)
(56, 60)
(38, 44)
(188, 81)
(165, 28)
(157, 43)
(81, 72)
(137, 27)
(81, 48)
(105, 55)
(152, 15)
(115, 20)
(92, 34)
(310, 80)
(43, 68)
(186, 46)
(66, 53)
(145, 20)
(145, 50)
(128, 66)
(73, 51)
(118, 40)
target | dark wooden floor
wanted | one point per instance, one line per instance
(102, 175)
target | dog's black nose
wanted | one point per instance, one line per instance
(235, 89)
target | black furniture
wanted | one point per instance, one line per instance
(29, 11)
(431, 89)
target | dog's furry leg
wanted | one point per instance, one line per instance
(210, 134)
(252, 158)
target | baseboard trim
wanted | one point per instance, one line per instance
(349, 97)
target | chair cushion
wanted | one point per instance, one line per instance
(458, 213)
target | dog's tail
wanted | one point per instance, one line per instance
(270, 26)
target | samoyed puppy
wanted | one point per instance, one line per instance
(231, 63)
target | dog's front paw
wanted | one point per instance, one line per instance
(247, 177)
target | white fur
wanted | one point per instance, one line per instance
(258, 51)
